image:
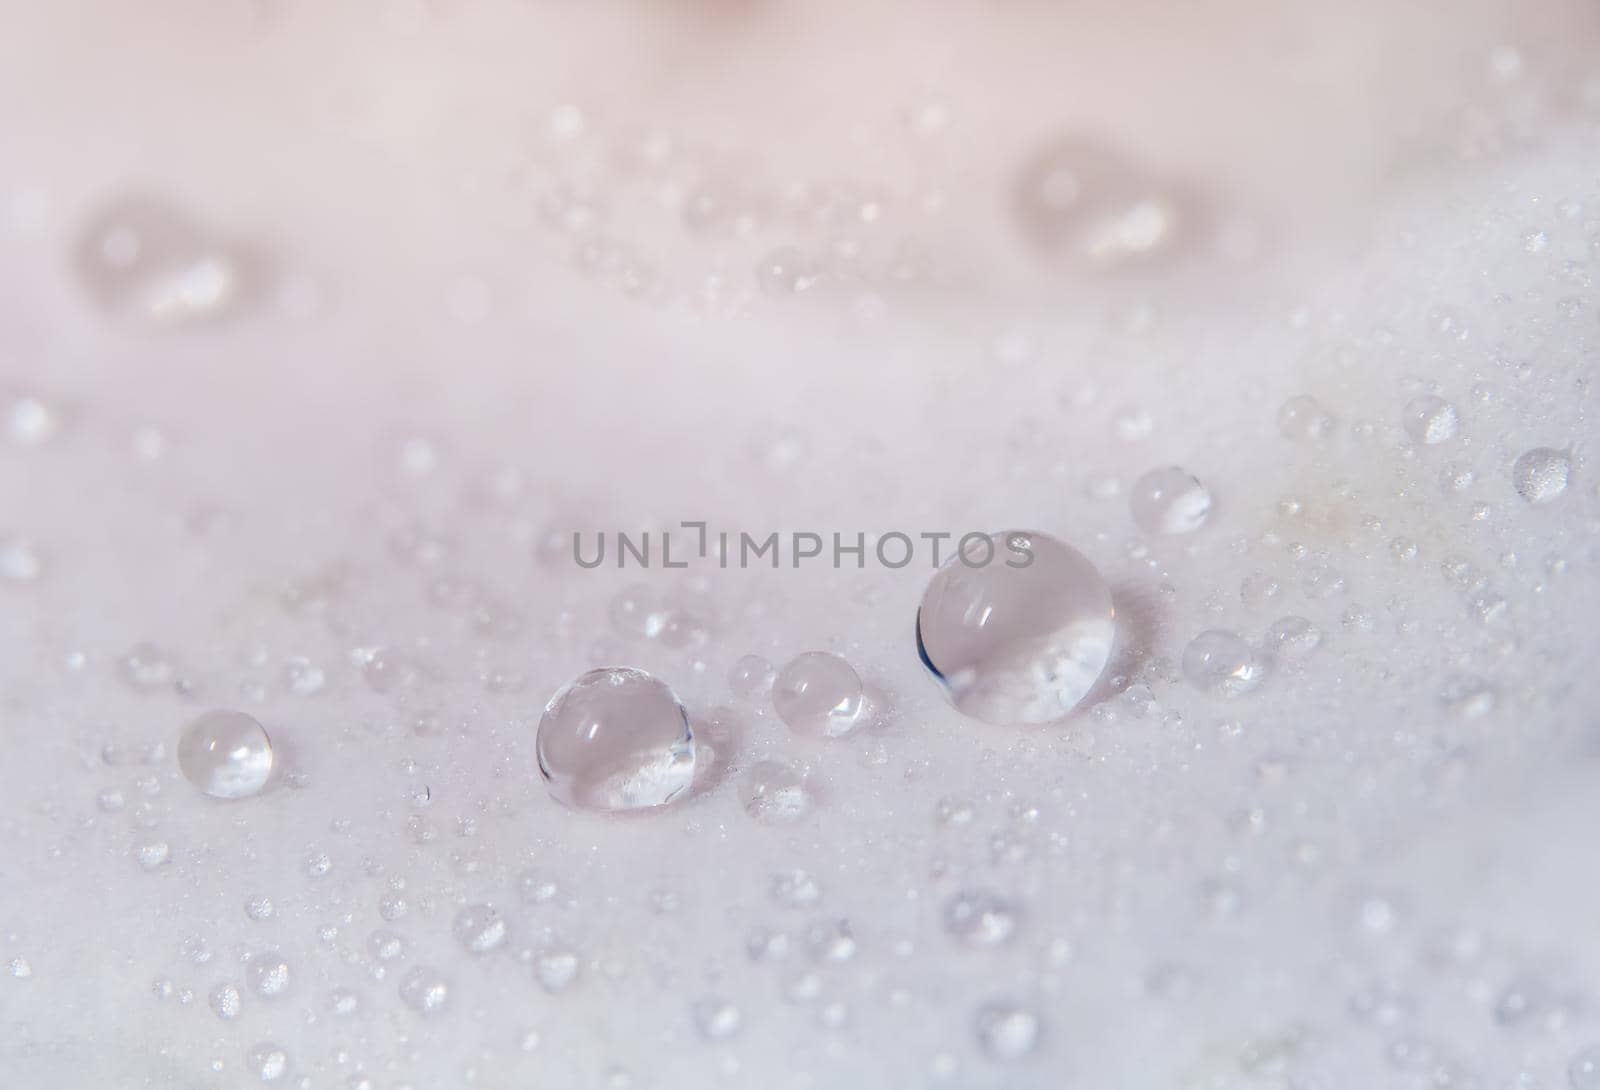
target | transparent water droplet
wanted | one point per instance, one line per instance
(31, 422)
(1292, 638)
(226, 754)
(1583, 1073)
(268, 1062)
(302, 677)
(556, 969)
(1083, 200)
(795, 889)
(19, 560)
(141, 258)
(638, 612)
(146, 666)
(268, 975)
(716, 1019)
(616, 739)
(819, 695)
(751, 677)
(225, 1002)
(775, 793)
(1219, 662)
(1018, 632)
(1541, 475)
(151, 854)
(980, 920)
(1170, 500)
(386, 945)
(1430, 420)
(425, 991)
(479, 929)
(1455, 478)
(1304, 420)
(259, 908)
(1006, 1031)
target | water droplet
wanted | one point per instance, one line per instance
(143, 259)
(1293, 638)
(151, 854)
(1219, 662)
(146, 666)
(1584, 1070)
(795, 889)
(818, 694)
(302, 677)
(31, 422)
(556, 969)
(1169, 501)
(259, 908)
(1079, 198)
(980, 920)
(1018, 632)
(751, 677)
(1303, 419)
(716, 1019)
(775, 793)
(425, 991)
(226, 754)
(1455, 478)
(1430, 420)
(616, 739)
(268, 1061)
(479, 929)
(785, 272)
(19, 561)
(268, 975)
(225, 1001)
(1541, 475)
(1006, 1031)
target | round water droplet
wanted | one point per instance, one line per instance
(1584, 1070)
(425, 991)
(716, 1019)
(268, 975)
(819, 695)
(225, 1001)
(1018, 628)
(775, 793)
(479, 929)
(1219, 662)
(1169, 501)
(1006, 1031)
(226, 754)
(1541, 475)
(616, 739)
(269, 1062)
(1303, 419)
(980, 920)
(1084, 200)
(1293, 638)
(1430, 420)
(751, 677)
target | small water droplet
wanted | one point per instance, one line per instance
(1169, 501)
(980, 920)
(1430, 420)
(1006, 1031)
(225, 1001)
(1219, 662)
(616, 739)
(425, 991)
(1584, 1070)
(716, 1019)
(479, 929)
(1292, 638)
(775, 793)
(751, 677)
(268, 975)
(268, 1061)
(1303, 419)
(818, 694)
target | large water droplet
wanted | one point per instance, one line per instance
(1018, 628)
(1541, 475)
(616, 739)
(226, 754)
(818, 694)
(1169, 501)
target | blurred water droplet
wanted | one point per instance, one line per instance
(479, 929)
(1303, 419)
(1219, 662)
(425, 991)
(1006, 1031)
(1430, 420)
